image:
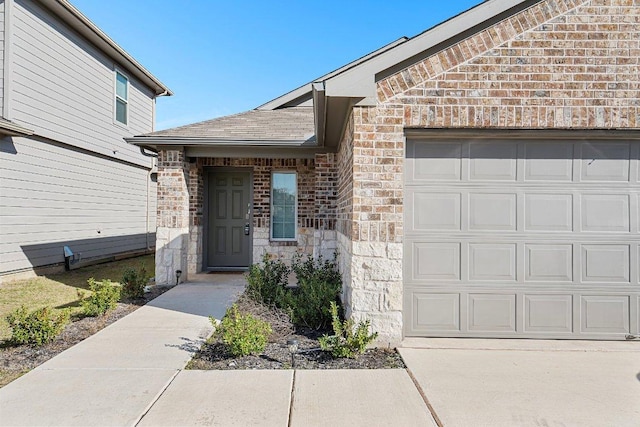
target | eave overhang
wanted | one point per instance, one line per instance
(334, 96)
(236, 148)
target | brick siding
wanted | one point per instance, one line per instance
(172, 189)
(557, 64)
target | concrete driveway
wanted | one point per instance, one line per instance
(470, 382)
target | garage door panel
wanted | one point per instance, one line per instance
(436, 261)
(548, 313)
(492, 161)
(605, 212)
(489, 212)
(436, 211)
(604, 314)
(605, 162)
(545, 162)
(437, 312)
(492, 313)
(549, 263)
(605, 263)
(435, 162)
(548, 212)
(492, 262)
(535, 239)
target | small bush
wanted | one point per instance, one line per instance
(104, 297)
(242, 334)
(346, 342)
(38, 327)
(133, 282)
(319, 285)
(267, 282)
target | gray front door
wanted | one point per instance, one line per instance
(229, 219)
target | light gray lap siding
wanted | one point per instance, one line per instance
(52, 196)
(2, 40)
(63, 88)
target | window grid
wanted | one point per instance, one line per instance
(122, 99)
(284, 206)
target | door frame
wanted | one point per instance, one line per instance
(208, 172)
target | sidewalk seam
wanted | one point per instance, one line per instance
(293, 388)
(157, 398)
(424, 398)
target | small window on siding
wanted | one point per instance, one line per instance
(284, 203)
(122, 98)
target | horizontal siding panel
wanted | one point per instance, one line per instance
(25, 231)
(34, 150)
(63, 88)
(71, 194)
(56, 204)
(2, 60)
(78, 171)
(52, 253)
(60, 127)
(55, 235)
(52, 195)
(33, 177)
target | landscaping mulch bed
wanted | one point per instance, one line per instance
(17, 360)
(213, 354)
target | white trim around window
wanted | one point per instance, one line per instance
(284, 206)
(120, 98)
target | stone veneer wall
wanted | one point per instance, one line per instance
(570, 64)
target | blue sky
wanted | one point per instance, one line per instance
(223, 57)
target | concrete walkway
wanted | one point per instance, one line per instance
(132, 373)
(528, 382)
(113, 377)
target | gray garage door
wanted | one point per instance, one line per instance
(521, 238)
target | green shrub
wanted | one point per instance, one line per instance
(319, 285)
(345, 341)
(133, 282)
(104, 297)
(242, 334)
(267, 282)
(38, 327)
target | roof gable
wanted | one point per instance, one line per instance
(477, 44)
(304, 93)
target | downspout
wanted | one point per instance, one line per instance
(146, 210)
(149, 173)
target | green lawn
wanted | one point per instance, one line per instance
(61, 290)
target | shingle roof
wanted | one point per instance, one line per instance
(286, 124)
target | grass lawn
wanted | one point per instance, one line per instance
(61, 290)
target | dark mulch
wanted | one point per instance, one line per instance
(17, 360)
(213, 354)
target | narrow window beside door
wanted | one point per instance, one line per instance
(284, 205)
(122, 99)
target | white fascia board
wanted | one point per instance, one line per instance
(307, 88)
(177, 141)
(360, 82)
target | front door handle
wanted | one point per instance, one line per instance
(247, 228)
